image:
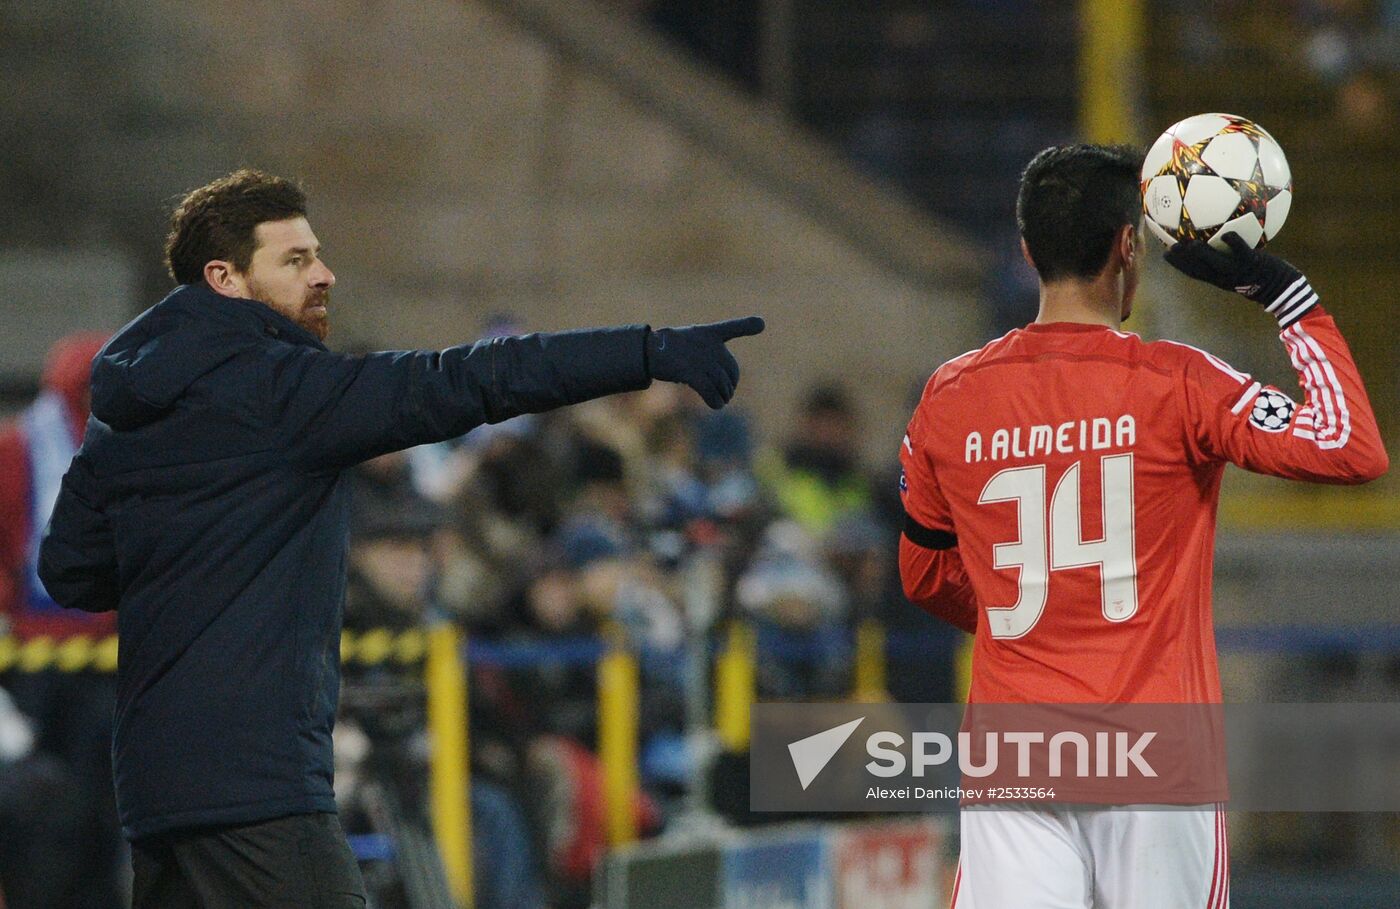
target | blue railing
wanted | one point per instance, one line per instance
(585, 650)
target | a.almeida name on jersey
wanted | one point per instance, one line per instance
(1094, 434)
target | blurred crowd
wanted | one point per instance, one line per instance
(597, 519)
(542, 530)
(60, 842)
(1350, 48)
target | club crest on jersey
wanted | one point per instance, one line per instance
(903, 483)
(1272, 411)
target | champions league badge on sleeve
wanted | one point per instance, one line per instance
(1272, 411)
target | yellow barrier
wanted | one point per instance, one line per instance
(450, 783)
(381, 645)
(83, 653)
(43, 654)
(1110, 68)
(870, 662)
(734, 687)
(962, 670)
(618, 708)
(1330, 508)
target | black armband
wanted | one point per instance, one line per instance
(923, 536)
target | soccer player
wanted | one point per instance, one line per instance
(1060, 486)
(208, 507)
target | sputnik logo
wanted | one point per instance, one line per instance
(813, 753)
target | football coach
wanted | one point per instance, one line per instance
(207, 507)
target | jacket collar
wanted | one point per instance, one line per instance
(256, 316)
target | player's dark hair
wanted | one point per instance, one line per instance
(217, 221)
(1073, 201)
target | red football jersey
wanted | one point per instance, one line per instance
(1061, 487)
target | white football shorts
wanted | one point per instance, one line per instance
(1093, 858)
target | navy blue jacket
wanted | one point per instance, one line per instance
(207, 507)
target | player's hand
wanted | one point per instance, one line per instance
(1263, 278)
(696, 356)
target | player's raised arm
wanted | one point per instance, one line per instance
(930, 566)
(1332, 437)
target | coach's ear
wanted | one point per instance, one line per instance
(1026, 254)
(223, 278)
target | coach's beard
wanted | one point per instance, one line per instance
(312, 314)
(315, 314)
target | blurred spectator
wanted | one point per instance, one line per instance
(787, 585)
(508, 875)
(396, 529)
(921, 655)
(557, 697)
(818, 478)
(570, 799)
(35, 450)
(383, 485)
(391, 561)
(72, 712)
(1350, 46)
(724, 452)
(857, 549)
(599, 522)
(514, 473)
(679, 495)
(798, 607)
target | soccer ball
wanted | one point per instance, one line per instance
(1214, 174)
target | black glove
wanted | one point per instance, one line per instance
(1262, 277)
(696, 356)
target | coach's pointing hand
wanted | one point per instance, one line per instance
(696, 356)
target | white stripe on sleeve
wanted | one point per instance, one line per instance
(1329, 416)
(1247, 398)
(1333, 383)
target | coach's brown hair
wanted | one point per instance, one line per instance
(217, 221)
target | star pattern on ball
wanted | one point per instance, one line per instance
(1196, 188)
(1254, 193)
(1186, 162)
(1254, 198)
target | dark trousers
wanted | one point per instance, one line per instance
(297, 861)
